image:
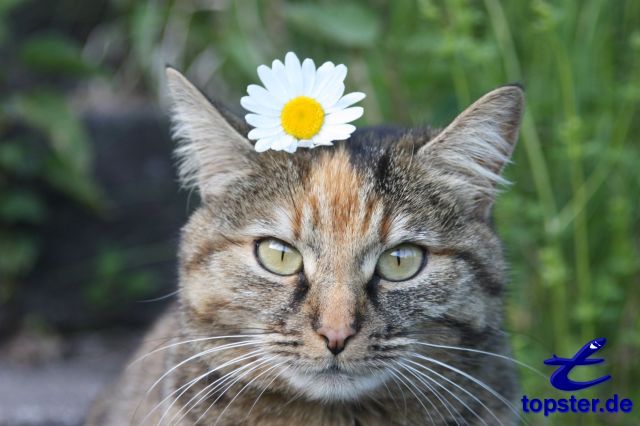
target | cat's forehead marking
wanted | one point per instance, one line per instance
(335, 194)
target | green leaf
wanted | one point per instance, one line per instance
(345, 23)
(50, 113)
(138, 284)
(19, 158)
(7, 5)
(81, 188)
(21, 206)
(146, 23)
(17, 253)
(70, 166)
(52, 53)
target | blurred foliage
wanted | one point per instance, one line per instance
(571, 220)
(43, 144)
(109, 265)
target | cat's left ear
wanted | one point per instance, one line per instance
(474, 148)
(211, 150)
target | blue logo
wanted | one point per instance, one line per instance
(572, 403)
(560, 378)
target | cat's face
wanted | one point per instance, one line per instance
(339, 260)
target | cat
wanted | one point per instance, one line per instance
(358, 284)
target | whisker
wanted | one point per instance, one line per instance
(189, 384)
(156, 299)
(478, 351)
(263, 361)
(264, 390)
(462, 389)
(184, 342)
(404, 397)
(411, 390)
(426, 397)
(445, 403)
(384, 383)
(213, 387)
(199, 354)
(191, 358)
(473, 379)
(245, 386)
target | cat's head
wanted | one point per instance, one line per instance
(340, 259)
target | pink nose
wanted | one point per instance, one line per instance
(336, 338)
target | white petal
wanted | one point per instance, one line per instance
(263, 144)
(344, 116)
(265, 132)
(324, 73)
(339, 129)
(323, 139)
(250, 104)
(308, 76)
(272, 83)
(282, 142)
(346, 101)
(335, 77)
(331, 95)
(336, 136)
(291, 148)
(294, 73)
(262, 121)
(265, 98)
(280, 73)
(306, 143)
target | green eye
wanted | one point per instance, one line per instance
(401, 262)
(278, 257)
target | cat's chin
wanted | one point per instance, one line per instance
(330, 385)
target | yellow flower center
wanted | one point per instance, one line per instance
(302, 117)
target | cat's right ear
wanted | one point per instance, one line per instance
(211, 152)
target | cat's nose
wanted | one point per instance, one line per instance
(336, 338)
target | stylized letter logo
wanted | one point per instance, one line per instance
(560, 378)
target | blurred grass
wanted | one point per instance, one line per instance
(570, 221)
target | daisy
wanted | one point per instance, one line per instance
(300, 106)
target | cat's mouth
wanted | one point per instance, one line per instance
(333, 369)
(335, 383)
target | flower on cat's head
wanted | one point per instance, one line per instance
(300, 106)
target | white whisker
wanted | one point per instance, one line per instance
(189, 384)
(215, 385)
(462, 389)
(473, 379)
(404, 397)
(198, 355)
(265, 389)
(245, 386)
(225, 390)
(478, 351)
(411, 390)
(445, 403)
(184, 342)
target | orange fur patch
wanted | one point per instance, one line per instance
(333, 194)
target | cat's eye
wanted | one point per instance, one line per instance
(278, 257)
(401, 263)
